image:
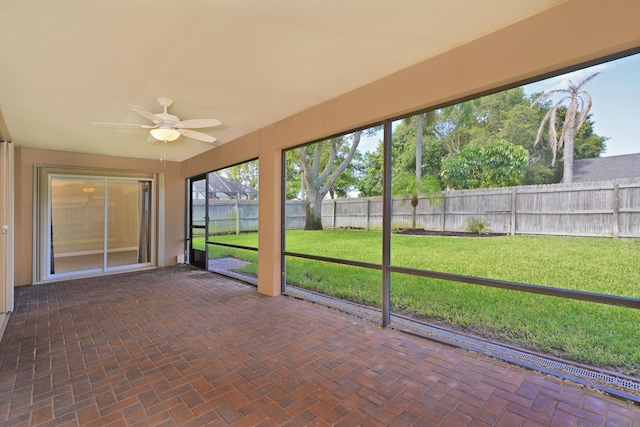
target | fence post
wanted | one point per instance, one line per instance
(237, 212)
(444, 210)
(368, 213)
(616, 210)
(333, 215)
(513, 211)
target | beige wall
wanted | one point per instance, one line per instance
(573, 33)
(26, 159)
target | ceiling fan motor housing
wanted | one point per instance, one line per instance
(167, 119)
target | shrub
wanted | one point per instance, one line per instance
(477, 226)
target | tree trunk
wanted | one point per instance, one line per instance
(313, 214)
(414, 204)
(419, 137)
(413, 217)
(567, 177)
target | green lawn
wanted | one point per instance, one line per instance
(591, 333)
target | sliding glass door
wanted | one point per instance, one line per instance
(77, 225)
(95, 224)
(128, 226)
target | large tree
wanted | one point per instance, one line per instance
(321, 165)
(455, 125)
(576, 113)
(506, 116)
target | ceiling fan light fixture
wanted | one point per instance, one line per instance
(164, 133)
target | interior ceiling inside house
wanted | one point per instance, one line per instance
(248, 63)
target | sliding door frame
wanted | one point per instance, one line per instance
(7, 224)
(42, 226)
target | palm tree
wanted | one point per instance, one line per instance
(576, 114)
(423, 120)
(408, 185)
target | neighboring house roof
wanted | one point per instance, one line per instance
(607, 168)
(222, 187)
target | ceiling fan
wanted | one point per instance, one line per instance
(166, 127)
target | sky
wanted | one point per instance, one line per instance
(615, 93)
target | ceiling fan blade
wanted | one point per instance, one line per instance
(196, 135)
(123, 124)
(146, 114)
(198, 123)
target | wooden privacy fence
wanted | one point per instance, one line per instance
(599, 209)
(228, 216)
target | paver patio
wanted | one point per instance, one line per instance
(182, 346)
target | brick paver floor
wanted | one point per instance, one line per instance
(180, 346)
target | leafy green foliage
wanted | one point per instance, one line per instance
(371, 167)
(587, 143)
(498, 164)
(245, 173)
(404, 147)
(455, 126)
(505, 115)
(537, 173)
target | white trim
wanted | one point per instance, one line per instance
(8, 228)
(105, 225)
(91, 273)
(160, 235)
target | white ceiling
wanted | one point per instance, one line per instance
(249, 63)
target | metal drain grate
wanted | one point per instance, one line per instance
(568, 368)
(624, 383)
(621, 386)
